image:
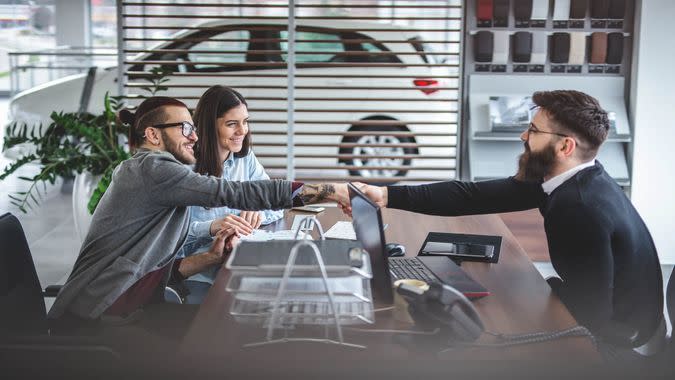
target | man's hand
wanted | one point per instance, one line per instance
(244, 226)
(321, 192)
(254, 218)
(223, 243)
(376, 194)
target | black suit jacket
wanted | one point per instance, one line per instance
(598, 243)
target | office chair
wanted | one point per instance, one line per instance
(172, 295)
(25, 341)
(663, 361)
(670, 305)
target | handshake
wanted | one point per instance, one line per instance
(339, 192)
(230, 228)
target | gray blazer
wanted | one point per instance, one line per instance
(141, 222)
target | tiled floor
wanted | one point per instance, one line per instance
(50, 229)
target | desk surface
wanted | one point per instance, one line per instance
(520, 302)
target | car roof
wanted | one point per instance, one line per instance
(357, 26)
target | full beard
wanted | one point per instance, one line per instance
(175, 149)
(534, 166)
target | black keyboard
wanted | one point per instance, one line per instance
(412, 268)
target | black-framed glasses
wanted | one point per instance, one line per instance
(186, 127)
(533, 129)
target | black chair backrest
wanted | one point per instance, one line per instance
(670, 300)
(22, 307)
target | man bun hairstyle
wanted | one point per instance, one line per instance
(576, 113)
(150, 112)
(125, 116)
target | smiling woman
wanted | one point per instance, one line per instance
(223, 150)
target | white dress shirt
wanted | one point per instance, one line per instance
(558, 180)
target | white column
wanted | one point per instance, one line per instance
(290, 60)
(72, 20)
(652, 100)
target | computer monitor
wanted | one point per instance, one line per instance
(367, 221)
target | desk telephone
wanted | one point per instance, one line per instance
(442, 306)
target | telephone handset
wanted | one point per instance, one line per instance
(443, 307)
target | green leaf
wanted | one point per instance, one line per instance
(71, 143)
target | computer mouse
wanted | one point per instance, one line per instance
(394, 249)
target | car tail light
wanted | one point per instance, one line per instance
(427, 84)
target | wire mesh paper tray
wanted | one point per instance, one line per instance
(304, 299)
(282, 302)
(293, 313)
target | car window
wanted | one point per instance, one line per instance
(380, 57)
(422, 48)
(233, 44)
(327, 47)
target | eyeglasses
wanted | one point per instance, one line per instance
(187, 127)
(533, 129)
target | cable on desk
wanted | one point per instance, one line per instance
(384, 309)
(531, 338)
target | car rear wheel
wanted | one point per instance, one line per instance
(376, 145)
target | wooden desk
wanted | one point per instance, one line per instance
(520, 302)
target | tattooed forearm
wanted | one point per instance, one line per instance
(316, 193)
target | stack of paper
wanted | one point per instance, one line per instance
(263, 235)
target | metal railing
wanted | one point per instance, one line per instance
(30, 68)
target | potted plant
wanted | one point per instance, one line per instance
(88, 145)
(73, 143)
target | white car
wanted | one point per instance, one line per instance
(373, 85)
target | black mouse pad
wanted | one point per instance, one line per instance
(443, 237)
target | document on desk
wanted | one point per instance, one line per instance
(263, 235)
(341, 230)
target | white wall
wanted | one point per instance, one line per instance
(652, 109)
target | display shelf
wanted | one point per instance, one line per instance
(499, 159)
(494, 154)
(545, 28)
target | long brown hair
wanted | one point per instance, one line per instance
(213, 104)
(150, 112)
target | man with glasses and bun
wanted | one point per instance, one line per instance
(129, 254)
(610, 276)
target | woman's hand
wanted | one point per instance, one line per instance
(243, 226)
(223, 243)
(254, 218)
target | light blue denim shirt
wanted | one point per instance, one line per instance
(199, 238)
